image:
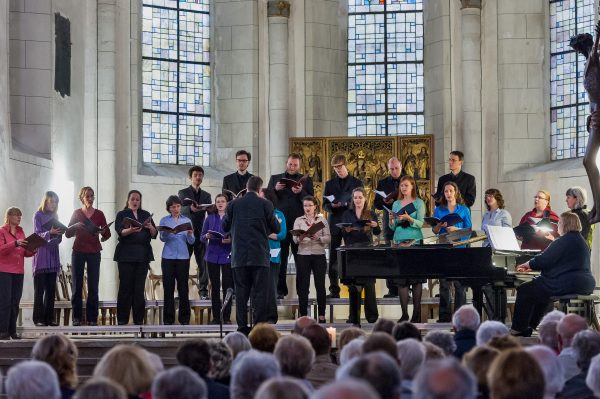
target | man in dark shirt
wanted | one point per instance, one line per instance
(237, 181)
(250, 220)
(196, 214)
(389, 185)
(337, 197)
(289, 201)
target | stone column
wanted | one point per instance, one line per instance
(278, 12)
(470, 141)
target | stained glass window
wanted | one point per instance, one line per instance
(176, 82)
(385, 68)
(568, 99)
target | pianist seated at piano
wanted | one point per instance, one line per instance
(363, 226)
(541, 210)
(565, 270)
(451, 202)
(407, 226)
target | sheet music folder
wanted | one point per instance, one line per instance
(504, 239)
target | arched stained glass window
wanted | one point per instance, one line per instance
(176, 82)
(385, 68)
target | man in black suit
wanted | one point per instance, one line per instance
(195, 193)
(389, 185)
(237, 181)
(289, 201)
(250, 220)
(337, 197)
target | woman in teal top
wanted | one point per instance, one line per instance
(408, 227)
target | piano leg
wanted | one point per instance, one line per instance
(354, 294)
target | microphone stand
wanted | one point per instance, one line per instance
(225, 302)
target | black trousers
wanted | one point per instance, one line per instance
(176, 271)
(44, 292)
(11, 289)
(334, 281)
(272, 315)
(317, 264)
(371, 311)
(79, 260)
(132, 282)
(221, 279)
(460, 298)
(530, 306)
(246, 278)
(198, 248)
(285, 254)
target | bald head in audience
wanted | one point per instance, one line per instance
(347, 389)
(301, 323)
(444, 379)
(567, 327)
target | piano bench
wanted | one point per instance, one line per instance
(582, 305)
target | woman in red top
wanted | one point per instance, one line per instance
(12, 254)
(86, 224)
(541, 239)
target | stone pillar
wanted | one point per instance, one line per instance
(470, 138)
(278, 12)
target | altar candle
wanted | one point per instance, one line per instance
(332, 336)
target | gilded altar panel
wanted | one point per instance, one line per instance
(313, 160)
(416, 155)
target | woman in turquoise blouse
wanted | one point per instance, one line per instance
(408, 227)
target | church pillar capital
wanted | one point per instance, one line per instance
(278, 8)
(470, 4)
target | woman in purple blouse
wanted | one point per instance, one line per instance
(46, 262)
(218, 259)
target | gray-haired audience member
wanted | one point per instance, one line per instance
(155, 361)
(593, 376)
(549, 335)
(250, 369)
(221, 359)
(551, 367)
(295, 355)
(237, 342)
(352, 349)
(490, 329)
(301, 323)
(411, 357)
(466, 322)
(567, 327)
(444, 379)
(100, 388)
(347, 389)
(178, 382)
(586, 345)
(555, 315)
(378, 369)
(283, 387)
(32, 379)
(442, 339)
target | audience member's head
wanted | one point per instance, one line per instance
(195, 354)
(249, 370)
(301, 323)
(489, 329)
(351, 350)
(179, 382)
(32, 379)
(263, 337)
(466, 318)
(155, 362)
(548, 334)
(554, 315)
(515, 374)
(593, 376)
(380, 342)
(554, 375)
(504, 342)
(348, 335)
(100, 388)
(567, 327)
(479, 360)
(61, 354)
(586, 345)
(220, 358)
(378, 369)
(404, 330)
(283, 387)
(237, 342)
(443, 339)
(384, 325)
(444, 379)
(128, 366)
(347, 389)
(295, 355)
(433, 352)
(411, 356)
(319, 339)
